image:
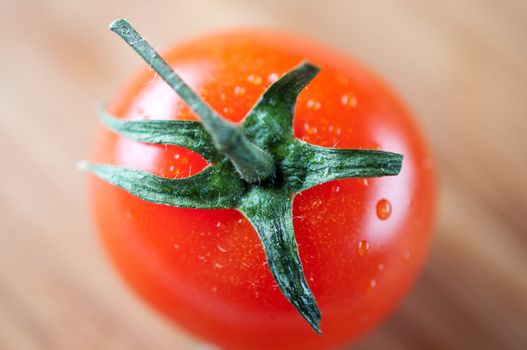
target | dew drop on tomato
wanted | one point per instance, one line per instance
(239, 90)
(313, 104)
(273, 77)
(221, 248)
(363, 182)
(254, 79)
(384, 209)
(373, 284)
(348, 100)
(364, 246)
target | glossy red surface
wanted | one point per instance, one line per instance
(205, 269)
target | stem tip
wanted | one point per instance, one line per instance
(118, 23)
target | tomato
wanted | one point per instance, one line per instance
(362, 242)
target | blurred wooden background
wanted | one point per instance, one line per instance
(461, 65)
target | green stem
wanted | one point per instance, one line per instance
(270, 212)
(253, 164)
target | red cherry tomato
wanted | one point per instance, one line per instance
(361, 241)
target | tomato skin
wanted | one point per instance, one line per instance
(361, 242)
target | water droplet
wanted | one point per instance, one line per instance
(349, 100)
(273, 77)
(364, 246)
(202, 258)
(218, 224)
(313, 104)
(406, 255)
(227, 110)
(171, 168)
(239, 90)
(223, 96)
(375, 146)
(384, 209)
(255, 79)
(176, 156)
(153, 78)
(218, 265)
(176, 246)
(311, 279)
(380, 267)
(338, 131)
(306, 126)
(336, 189)
(373, 284)
(240, 220)
(221, 248)
(363, 181)
(312, 131)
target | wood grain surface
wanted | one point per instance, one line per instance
(460, 65)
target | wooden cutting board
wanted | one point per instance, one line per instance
(461, 66)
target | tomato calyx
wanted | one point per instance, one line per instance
(256, 167)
